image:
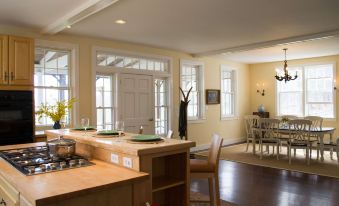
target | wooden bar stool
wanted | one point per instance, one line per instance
(208, 169)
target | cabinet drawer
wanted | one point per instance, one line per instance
(8, 193)
(6, 199)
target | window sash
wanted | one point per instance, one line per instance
(228, 107)
(305, 91)
(192, 73)
(63, 65)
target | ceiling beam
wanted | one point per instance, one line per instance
(267, 44)
(78, 14)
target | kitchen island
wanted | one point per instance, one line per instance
(167, 162)
(100, 184)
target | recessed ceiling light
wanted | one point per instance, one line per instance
(120, 21)
(69, 26)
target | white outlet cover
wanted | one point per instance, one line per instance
(114, 158)
(127, 162)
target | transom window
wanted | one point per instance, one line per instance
(311, 94)
(131, 62)
(228, 92)
(191, 76)
(51, 80)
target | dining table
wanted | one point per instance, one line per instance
(316, 131)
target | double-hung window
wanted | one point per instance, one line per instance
(161, 106)
(228, 92)
(104, 101)
(52, 69)
(311, 94)
(191, 77)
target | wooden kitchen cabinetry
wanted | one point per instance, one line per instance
(16, 62)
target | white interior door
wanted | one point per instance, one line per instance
(136, 102)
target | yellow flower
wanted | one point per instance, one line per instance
(55, 112)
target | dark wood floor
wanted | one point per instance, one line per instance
(252, 185)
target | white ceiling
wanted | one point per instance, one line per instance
(35, 13)
(299, 50)
(196, 26)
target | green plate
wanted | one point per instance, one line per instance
(83, 129)
(146, 138)
(108, 132)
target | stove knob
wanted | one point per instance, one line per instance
(72, 163)
(43, 167)
(53, 166)
(31, 169)
(62, 165)
(82, 161)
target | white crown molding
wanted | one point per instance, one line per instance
(78, 14)
(266, 44)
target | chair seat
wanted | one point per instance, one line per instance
(197, 165)
(269, 141)
(298, 143)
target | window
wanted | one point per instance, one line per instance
(191, 76)
(132, 62)
(311, 94)
(228, 92)
(161, 106)
(51, 80)
(104, 102)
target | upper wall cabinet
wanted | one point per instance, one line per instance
(17, 61)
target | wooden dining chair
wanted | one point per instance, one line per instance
(169, 134)
(208, 169)
(300, 138)
(269, 136)
(251, 121)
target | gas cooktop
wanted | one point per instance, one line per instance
(36, 160)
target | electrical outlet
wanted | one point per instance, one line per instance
(127, 162)
(114, 158)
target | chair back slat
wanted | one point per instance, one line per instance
(300, 129)
(289, 117)
(317, 122)
(269, 128)
(251, 121)
(214, 152)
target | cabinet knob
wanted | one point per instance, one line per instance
(3, 202)
(12, 76)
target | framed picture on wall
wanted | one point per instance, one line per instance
(212, 96)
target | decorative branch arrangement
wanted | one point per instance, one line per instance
(183, 114)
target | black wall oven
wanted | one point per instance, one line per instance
(16, 117)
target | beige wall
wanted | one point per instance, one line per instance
(199, 132)
(264, 73)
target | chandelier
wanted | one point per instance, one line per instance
(286, 77)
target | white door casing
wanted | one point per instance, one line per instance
(136, 102)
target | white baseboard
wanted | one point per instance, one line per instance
(225, 143)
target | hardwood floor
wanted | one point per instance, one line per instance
(252, 185)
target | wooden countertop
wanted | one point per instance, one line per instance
(121, 144)
(50, 187)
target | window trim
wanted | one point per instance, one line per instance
(116, 71)
(223, 68)
(201, 84)
(334, 67)
(74, 87)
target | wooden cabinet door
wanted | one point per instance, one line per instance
(21, 60)
(3, 59)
